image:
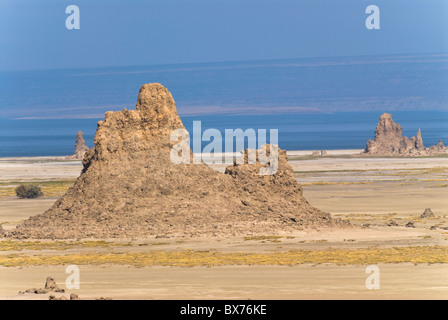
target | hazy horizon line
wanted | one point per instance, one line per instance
(172, 64)
(101, 116)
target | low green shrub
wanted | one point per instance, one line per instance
(28, 191)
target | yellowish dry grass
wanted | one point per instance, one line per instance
(14, 245)
(435, 170)
(327, 183)
(6, 192)
(383, 172)
(52, 188)
(371, 217)
(418, 171)
(190, 258)
(437, 186)
(267, 238)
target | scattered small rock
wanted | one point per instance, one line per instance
(392, 224)
(34, 291)
(410, 225)
(433, 228)
(50, 286)
(427, 214)
(52, 297)
(74, 296)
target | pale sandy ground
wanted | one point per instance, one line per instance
(13, 210)
(364, 190)
(403, 186)
(397, 281)
(294, 153)
(38, 168)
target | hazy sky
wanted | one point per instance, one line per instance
(124, 33)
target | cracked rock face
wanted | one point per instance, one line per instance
(389, 141)
(130, 188)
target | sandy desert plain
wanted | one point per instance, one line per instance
(370, 192)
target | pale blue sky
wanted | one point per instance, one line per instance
(133, 32)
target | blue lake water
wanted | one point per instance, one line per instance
(345, 130)
(315, 103)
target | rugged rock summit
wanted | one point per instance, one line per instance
(389, 141)
(80, 147)
(130, 188)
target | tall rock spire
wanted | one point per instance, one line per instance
(80, 147)
(419, 141)
(130, 188)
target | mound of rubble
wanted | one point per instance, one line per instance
(50, 286)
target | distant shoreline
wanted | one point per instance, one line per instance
(305, 132)
(292, 154)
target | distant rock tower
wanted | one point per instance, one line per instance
(389, 141)
(419, 141)
(80, 147)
